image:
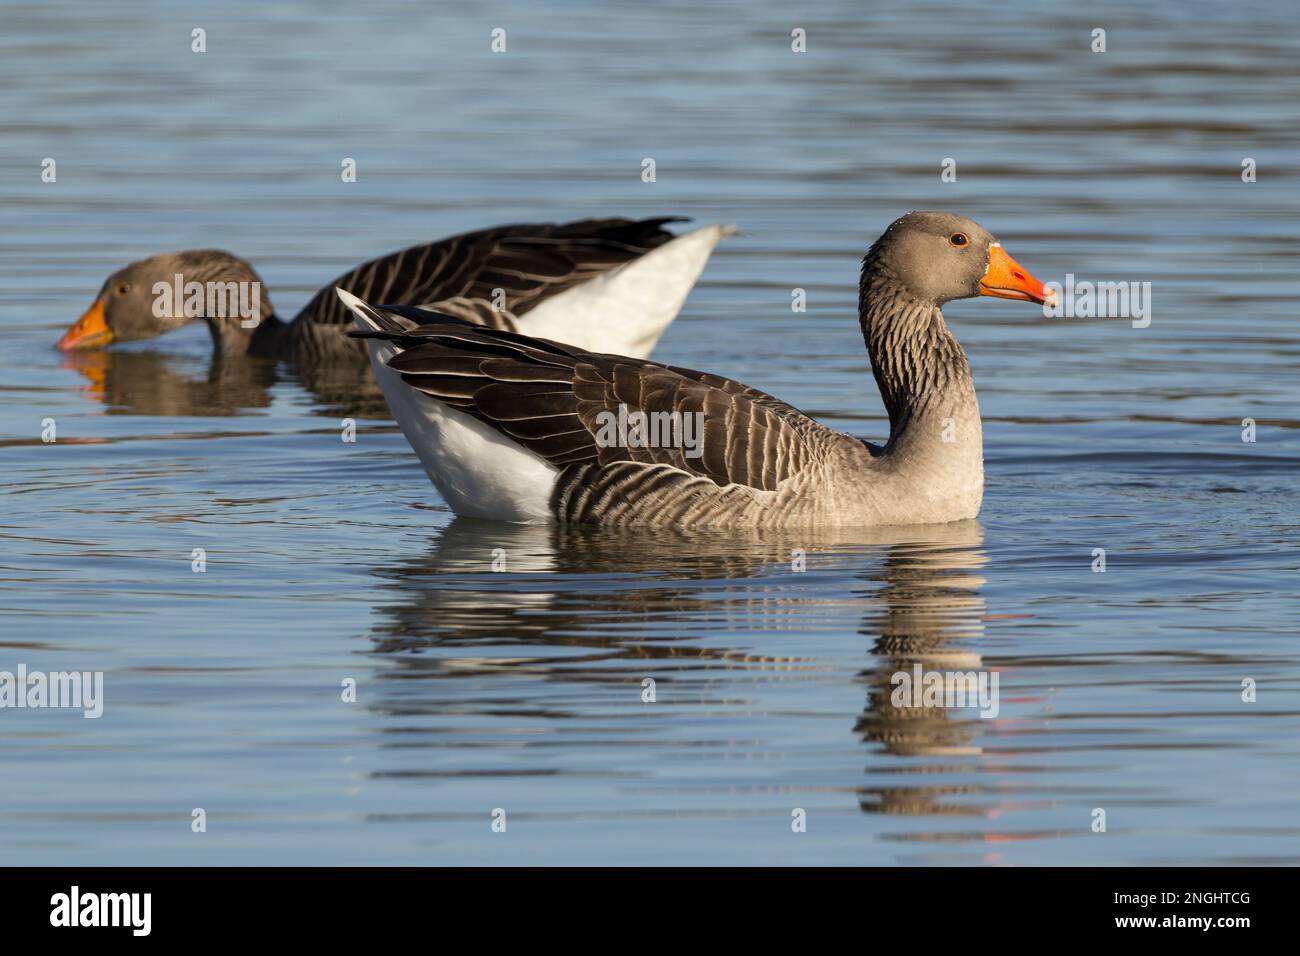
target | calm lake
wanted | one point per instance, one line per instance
(521, 690)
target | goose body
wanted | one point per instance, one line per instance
(514, 428)
(587, 282)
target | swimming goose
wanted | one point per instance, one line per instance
(524, 429)
(606, 284)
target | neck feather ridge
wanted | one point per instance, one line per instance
(919, 366)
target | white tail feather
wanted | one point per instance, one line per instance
(626, 310)
(478, 471)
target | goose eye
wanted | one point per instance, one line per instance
(958, 239)
(124, 288)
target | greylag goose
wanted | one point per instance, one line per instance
(519, 429)
(606, 284)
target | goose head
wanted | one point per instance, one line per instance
(939, 256)
(138, 301)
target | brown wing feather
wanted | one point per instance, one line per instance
(553, 399)
(529, 261)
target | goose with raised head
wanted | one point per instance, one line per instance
(518, 429)
(610, 285)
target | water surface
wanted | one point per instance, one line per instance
(522, 689)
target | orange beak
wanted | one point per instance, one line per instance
(1006, 279)
(89, 332)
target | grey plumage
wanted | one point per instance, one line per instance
(548, 397)
(762, 462)
(489, 276)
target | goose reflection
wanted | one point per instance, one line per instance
(573, 604)
(164, 384)
(932, 615)
(617, 594)
(931, 611)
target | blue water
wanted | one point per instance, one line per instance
(522, 690)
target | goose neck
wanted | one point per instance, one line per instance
(919, 367)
